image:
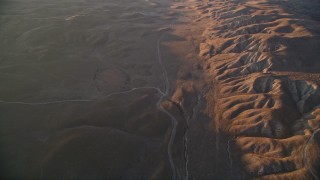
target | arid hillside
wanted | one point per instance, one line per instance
(264, 59)
(160, 89)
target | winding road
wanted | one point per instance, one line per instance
(78, 100)
(173, 119)
(163, 97)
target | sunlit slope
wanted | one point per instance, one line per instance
(264, 57)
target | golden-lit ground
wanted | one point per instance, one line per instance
(151, 89)
(264, 60)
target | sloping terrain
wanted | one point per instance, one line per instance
(154, 89)
(264, 57)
